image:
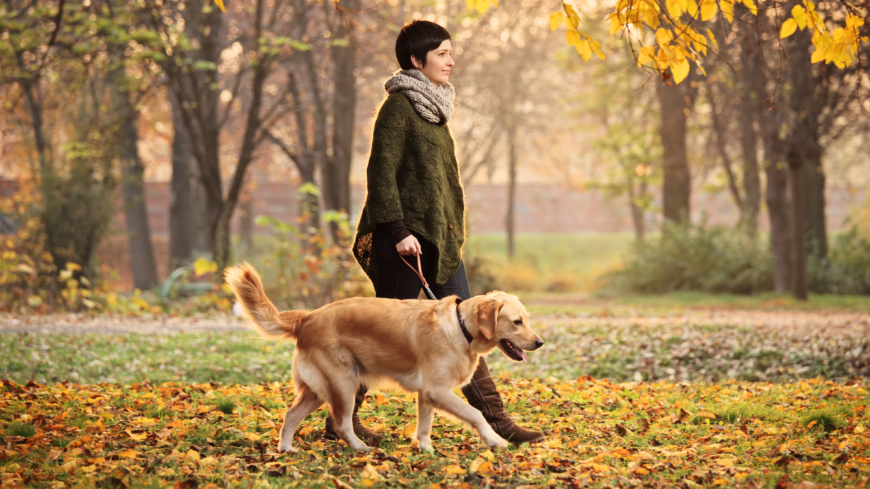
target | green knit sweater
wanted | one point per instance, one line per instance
(412, 175)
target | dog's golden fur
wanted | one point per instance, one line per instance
(417, 344)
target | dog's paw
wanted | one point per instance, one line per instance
(288, 450)
(425, 446)
(364, 448)
(497, 442)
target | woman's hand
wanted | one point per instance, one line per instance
(409, 246)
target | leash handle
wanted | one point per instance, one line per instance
(419, 272)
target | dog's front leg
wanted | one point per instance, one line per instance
(305, 403)
(448, 401)
(425, 415)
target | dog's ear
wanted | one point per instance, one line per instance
(486, 316)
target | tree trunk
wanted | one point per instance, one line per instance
(814, 191)
(776, 198)
(336, 174)
(132, 173)
(246, 221)
(676, 188)
(751, 98)
(637, 214)
(512, 188)
(803, 134)
(798, 237)
(183, 212)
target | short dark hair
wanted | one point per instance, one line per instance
(417, 38)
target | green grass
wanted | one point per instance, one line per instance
(18, 428)
(551, 261)
(827, 419)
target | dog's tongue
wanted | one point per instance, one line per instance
(523, 355)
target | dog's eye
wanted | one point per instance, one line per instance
(518, 322)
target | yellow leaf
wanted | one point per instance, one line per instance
(488, 455)
(726, 462)
(860, 429)
(572, 37)
(680, 70)
(615, 23)
(409, 430)
(664, 36)
(646, 54)
(708, 10)
(470, 4)
(203, 265)
(252, 437)
(750, 4)
(712, 38)
(73, 267)
(556, 19)
(727, 7)
(192, 456)
(220, 3)
(596, 47)
(482, 6)
(369, 473)
(128, 454)
(788, 28)
(484, 469)
(800, 16)
(584, 49)
(707, 414)
(453, 469)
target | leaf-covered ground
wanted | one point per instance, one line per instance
(802, 434)
(678, 397)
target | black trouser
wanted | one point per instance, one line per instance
(397, 281)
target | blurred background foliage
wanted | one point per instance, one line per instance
(101, 99)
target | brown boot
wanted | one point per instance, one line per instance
(483, 395)
(370, 438)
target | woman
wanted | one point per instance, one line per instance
(415, 202)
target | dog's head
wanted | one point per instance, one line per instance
(501, 322)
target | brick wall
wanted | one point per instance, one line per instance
(540, 208)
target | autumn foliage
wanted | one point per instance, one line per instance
(599, 433)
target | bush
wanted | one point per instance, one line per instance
(479, 270)
(715, 259)
(847, 269)
(310, 270)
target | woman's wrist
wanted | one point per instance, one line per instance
(396, 230)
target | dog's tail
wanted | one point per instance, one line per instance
(246, 285)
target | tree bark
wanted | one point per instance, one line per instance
(802, 140)
(637, 213)
(814, 191)
(336, 174)
(512, 188)
(133, 189)
(676, 187)
(182, 209)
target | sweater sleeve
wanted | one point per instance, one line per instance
(388, 145)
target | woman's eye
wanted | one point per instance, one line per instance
(518, 321)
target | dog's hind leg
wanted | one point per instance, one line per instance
(425, 415)
(305, 403)
(341, 399)
(446, 400)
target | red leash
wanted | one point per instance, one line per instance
(420, 274)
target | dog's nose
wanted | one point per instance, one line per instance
(538, 343)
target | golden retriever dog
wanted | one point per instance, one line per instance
(424, 346)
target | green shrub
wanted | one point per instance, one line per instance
(18, 428)
(847, 269)
(480, 273)
(715, 259)
(308, 270)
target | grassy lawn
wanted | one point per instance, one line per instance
(551, 261)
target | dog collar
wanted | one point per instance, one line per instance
(462, 323)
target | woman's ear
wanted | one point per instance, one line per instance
(485, 315)
(415, 62)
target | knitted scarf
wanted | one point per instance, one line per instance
(435, 104)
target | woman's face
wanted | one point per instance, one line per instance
(438, 63)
